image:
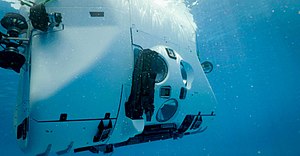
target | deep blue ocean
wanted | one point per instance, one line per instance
(255, 48)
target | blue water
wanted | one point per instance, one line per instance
(255, 49)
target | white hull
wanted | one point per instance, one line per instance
(80, 75)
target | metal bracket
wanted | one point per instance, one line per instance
(103, 130)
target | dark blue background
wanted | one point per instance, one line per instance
(255, 49)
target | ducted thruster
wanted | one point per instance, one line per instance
(14, 23)
(10, 58)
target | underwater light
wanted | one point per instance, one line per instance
(207, 66)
